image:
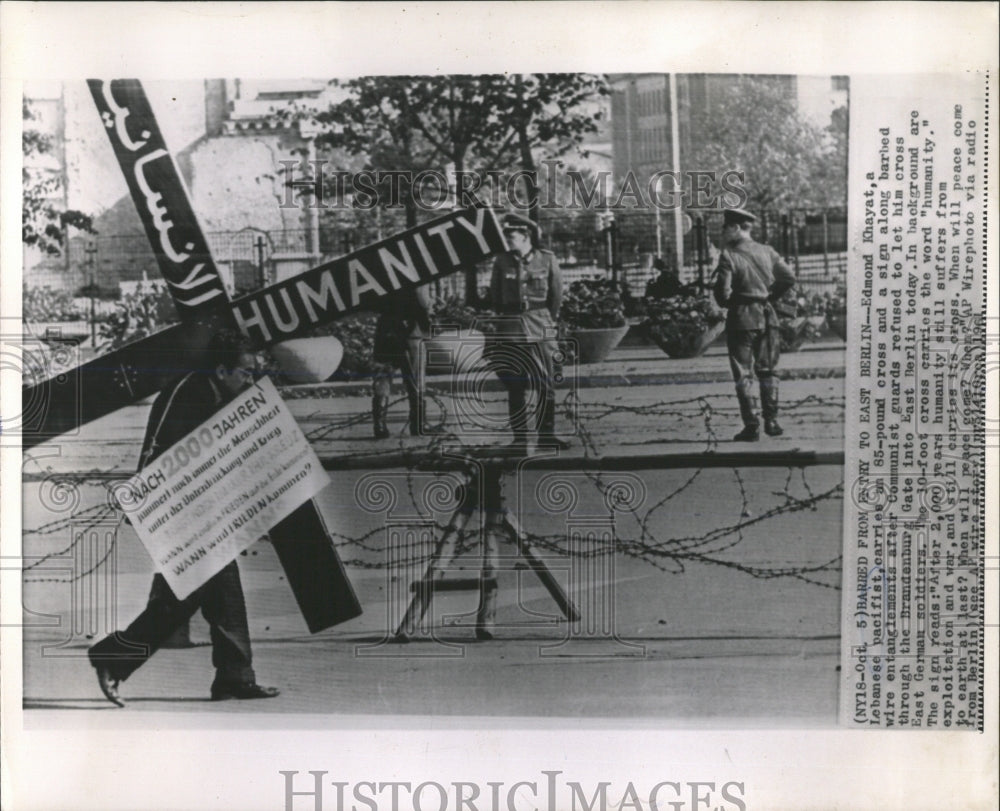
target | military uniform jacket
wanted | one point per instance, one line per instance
(748, 277)
(527, 291)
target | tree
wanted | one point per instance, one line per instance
(43, 223)
(493, 122)
(756, 128)
(831, 170)
(547, 110)
(375, 122)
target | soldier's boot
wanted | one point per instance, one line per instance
(748, 412)
(380, 409)
(418, 418)
(769, 405)
(547, 427)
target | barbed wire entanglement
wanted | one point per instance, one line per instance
(638, 528)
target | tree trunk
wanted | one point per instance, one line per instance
(527, 158)
(471, 273)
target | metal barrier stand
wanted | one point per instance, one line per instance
(484, 480)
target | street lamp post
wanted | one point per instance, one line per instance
(608, 226)
(261, 275)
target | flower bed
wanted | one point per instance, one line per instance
(592, 304)
(683, 326)
(592, 320)
(835, 307)
(796, 318)
(43, 304)
(138, 316)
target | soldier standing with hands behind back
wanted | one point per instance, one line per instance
(403, 323)
(526, 291)
(749, 278)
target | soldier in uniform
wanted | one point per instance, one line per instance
(749, 278)
(404, 321)
(526, 290)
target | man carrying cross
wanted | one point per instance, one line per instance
(179, 409)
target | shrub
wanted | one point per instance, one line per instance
(795, 332)
(139, 315)
(45, 304)
(452, 311)
(592, 304)
(837, 301)
(678, 324)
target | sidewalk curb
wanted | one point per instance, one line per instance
(444, 383)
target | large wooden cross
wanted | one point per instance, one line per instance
(288, 309)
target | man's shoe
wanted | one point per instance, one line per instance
(749, 434)
(108, 684)
(223, 691)
(771, 428)
(552, 442)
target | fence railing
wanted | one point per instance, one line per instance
(814, 243)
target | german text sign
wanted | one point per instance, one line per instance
(223, 486)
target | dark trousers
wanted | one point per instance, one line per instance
(410, 362)
(528, 366)
(221, 602)
(754, 352)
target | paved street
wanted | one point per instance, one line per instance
(695, 621)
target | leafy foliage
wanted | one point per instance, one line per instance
(139, 315)
(43, 223)
(837, 301)
(41, 304)
(494, 121)
(796, 331)
(678, 324)
(592, 304)
(755, 127)
(451, 311)
(815, 310)
(412, 124)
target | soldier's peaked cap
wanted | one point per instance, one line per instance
(737, 216)
(515, 222)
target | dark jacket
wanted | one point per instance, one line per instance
(665, 285)
(178, 410)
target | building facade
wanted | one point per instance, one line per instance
(641, 123)
(233, 153)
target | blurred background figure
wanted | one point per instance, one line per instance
(404, 321)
